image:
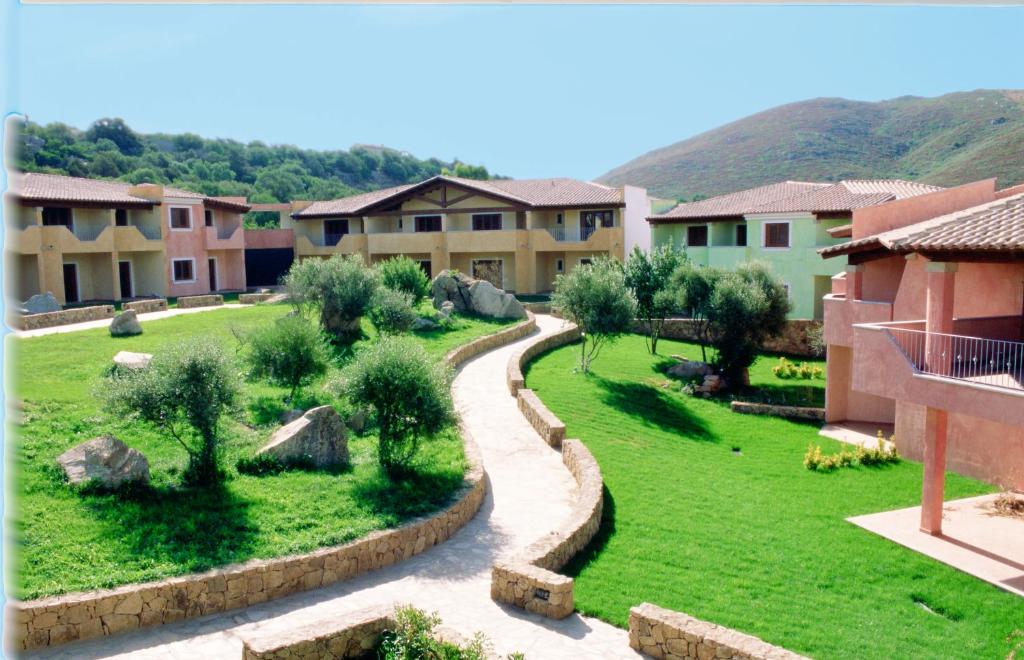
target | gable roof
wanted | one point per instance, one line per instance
(532, 193)
(798, 196)
(996, 226)
(56, 188)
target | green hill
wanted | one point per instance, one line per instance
(947, 140)
(110, 149)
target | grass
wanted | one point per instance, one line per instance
(67, 541)
(750, 539)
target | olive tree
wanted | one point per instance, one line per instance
(183, 392)
(409, 392)
(595, 298)
(339, 288)
(290, 352)
(648, 277)
(391, 311)
(692, 286)
(405, 275)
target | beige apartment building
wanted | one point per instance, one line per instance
(518, 234)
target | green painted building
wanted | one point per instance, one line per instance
(781, 224)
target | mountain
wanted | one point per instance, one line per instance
(110, 149)
(946, 140)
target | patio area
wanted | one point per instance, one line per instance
(974, 539)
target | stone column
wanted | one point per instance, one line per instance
(854, 282)
(933, 483)
(941, 278)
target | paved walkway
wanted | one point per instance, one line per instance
(103, 323)
(529, 493)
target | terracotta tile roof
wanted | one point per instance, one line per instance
(34, 186)
(798, 196)
(738, 203)
(69, 189)
(996, 226)
(536, 193)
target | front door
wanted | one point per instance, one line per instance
(213, 274)
(124, 274)
(70, 283)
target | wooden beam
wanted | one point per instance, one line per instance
(449, 211)
(461, 198)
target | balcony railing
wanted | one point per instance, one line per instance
(150, 233)
(995, 362)
(571, 234)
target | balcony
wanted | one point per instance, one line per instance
(559, 239)
(225, 238)
(82, 239)
(842, 314)
(563, 234)
(137, 239)
(319, 245)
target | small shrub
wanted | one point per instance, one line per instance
(409, 393)
(413, 638)
(289, 352)
(404, 275)
(815, 461)
(787, 370)
(262, 465)
(391, 312)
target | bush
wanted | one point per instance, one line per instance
(594, 297)
(391, 311)
(787, 370)
(289, 352)
(648, 277)
(413, 638)
(409, 392)
(815, 461)
(340, 288)
(262, 465)
(183, 392)
(405, 275)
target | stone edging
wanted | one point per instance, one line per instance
(789, 412)
(350, 635)
(210, 300)
(529, 580)
(146, 306)
(662, 633)
(64, 317)
(77, 616)
(254, 298)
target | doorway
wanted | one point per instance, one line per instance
(212, 261)
(124, 275)
(71, 283)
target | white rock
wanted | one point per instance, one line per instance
(125, 324)
(129, 360)
(105, 459)
(319, 435)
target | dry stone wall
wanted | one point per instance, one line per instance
(78, 616)
(790, 412)
(65, 316)
(351, 635)
(146, 306)
(253, 298)
(211, 300)
(794, 340)
(541, 419)
(662, 633)
(514, 369)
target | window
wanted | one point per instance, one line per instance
(53, 217)
(785, 285)
(488, 269)
(399, 222)
(597, 219)
(697, 236)
(184, 270)
(428, 223)
(776, 234)
(208, 217)
(586, 261)
(121, 217)
(181, 217)
(558, 219)
(486, 221)
(426, 268)
(559, 265)
(741, 235)
(334, 230)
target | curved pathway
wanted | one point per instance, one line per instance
(529, 493)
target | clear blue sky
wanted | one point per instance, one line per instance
(526, 90)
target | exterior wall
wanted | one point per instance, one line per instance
(876, 219)
(634, 218)
(224, 241)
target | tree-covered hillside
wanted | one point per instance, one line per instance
(947, 140)
(110, 149)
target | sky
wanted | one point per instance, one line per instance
(528, 91)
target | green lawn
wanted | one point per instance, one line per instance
(751, 539)
(65, 541)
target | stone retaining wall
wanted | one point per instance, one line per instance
(211, 300)
(514, 369)
(790, 412)
(60, 619)
(350, 635)
(253, 298)
(794, 339)
(662, 633)
(545, 422)
(146, 306)
(64, 317)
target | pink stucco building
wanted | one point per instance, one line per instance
(924, 331)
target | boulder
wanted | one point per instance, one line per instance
(105, 459)
(422, 323)
(689, 369)
(129, 360)
(711, 384)
(41, 303)
(319, 435)
(476, 296)
(446, 309)
(125, 324)
(289, 416)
